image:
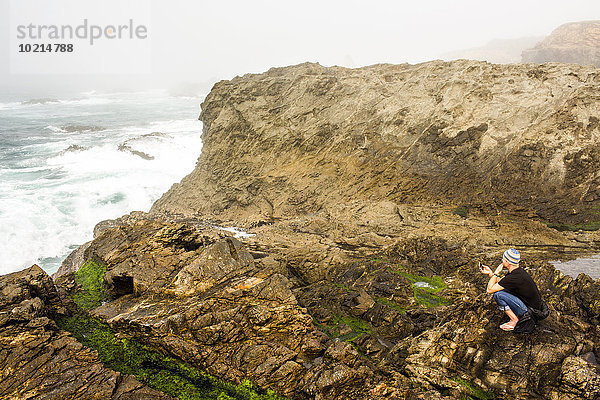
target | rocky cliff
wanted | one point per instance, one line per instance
(307, 139)
(372, 195)
(575, 42)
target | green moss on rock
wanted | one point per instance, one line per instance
(462, 211)
(427, 299)
(475, 392)
(590, 226)
(158, 371)
(333, 327)
(391, 304)
(91, 279)
(425, 288)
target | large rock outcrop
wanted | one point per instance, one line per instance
(383, 326)
(307, 139)
(575, 42)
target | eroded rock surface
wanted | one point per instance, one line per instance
(362, 331)
(540, 365)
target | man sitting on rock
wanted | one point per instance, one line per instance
(515, 292)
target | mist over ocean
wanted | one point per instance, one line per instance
(67, 163)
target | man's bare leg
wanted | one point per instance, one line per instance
(513, 317)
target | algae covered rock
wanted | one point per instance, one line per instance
(37, 359)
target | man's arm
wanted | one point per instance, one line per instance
(493, 286)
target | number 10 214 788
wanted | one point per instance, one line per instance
(45, 48)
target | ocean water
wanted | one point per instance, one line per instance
(584, 265)
(69, 163)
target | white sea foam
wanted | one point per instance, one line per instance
(55, 129)
(89, 101)
(45, 216)
(34, 138)
(167, 126)
(35, 104)
(73, 128)
(93, 98)
(237, 232)
(9, 106)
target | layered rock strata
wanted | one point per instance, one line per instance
(366, 331)
(309, 139)
(39, 360)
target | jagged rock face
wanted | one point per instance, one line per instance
(201, 298)
(306, 139)
(575, 42)
(158, 257)
(38, 360)
(358, 332)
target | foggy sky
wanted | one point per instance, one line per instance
(201, 41)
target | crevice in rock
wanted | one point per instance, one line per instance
(232, 250)
(122, 285)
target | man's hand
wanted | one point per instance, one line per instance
(492, 286)
(485, 270)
